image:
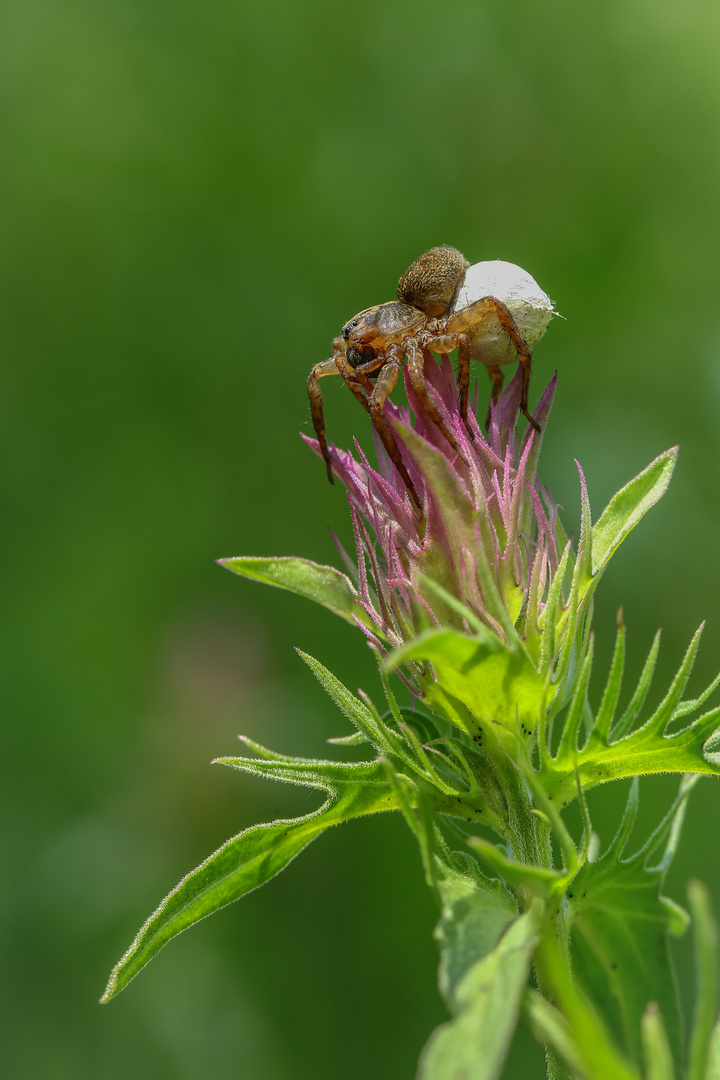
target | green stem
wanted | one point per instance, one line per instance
(531, 840)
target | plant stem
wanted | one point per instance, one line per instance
(531, 840)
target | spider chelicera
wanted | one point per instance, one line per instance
(492, 312)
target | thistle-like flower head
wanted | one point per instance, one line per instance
(477, 599)
(484, 546)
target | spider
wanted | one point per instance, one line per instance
(443, 304)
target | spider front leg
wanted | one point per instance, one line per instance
(326, 367)
(384, 386)
(356, 377)
(474, 313)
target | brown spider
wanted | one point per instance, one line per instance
(443, 304)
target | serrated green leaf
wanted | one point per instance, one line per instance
(323, 584)
(486, 1002)
(631, 503)
(254, 856)
(706, 980)
(656, 746)
(629, 718)
(620, 933)
(691, 706)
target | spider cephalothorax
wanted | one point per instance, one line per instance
(442, 305)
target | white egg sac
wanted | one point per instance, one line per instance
(529, 305)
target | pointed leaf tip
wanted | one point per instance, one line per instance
(323, 584)
(628, 506)
(249, 860)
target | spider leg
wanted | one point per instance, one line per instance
(469, 316)
(416, 367)
(384, 386)
(495, 373)
(356, 379)
(464, 379)
(325, 367)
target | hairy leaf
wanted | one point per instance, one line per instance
(573, 1029)
(323, 584)
(618, 749)
(484, 994)
(713, 1069)
(658, 1056)
(706, 976)
(631, 503)
(357, 712)
(497, 685)
(552, 1029)
(620, 928)
(254, 856)
(475, 912)
(582, 1044)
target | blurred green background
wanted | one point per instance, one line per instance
(194, 198)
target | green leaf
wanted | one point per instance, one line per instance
(497, 685)
(658, 745)
(355, 739)
(484, 995)
(627, 507)
(706, 968)
(525, 878)
(608, 706)
(323, 584)
(630, 717)
(365, 720)
(254, 856)
(620, 931)
(656, 1048)
(575, 1031)
(550, 1028)
(475, 912)
(713, 1069)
